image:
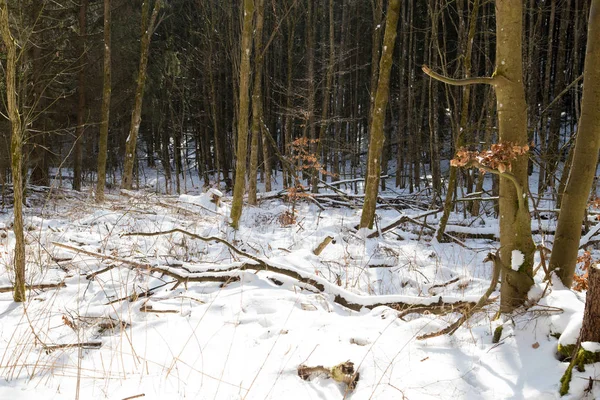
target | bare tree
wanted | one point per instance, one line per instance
(585, 158)
(136, 115)
(16, 151)
(105, 113)
(244, 100)
(378, 116)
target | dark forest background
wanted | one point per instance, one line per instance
(319, 72)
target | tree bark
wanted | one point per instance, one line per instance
(242, 132)
(136, 114)
(16, 148)
(105, 113)
(81, 109)
(590, 329)
(378, 116)
(515, 221)
(585, 158)
(257, 106)
(326, 98)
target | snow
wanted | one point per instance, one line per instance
(593, 347)
(517, 259)
(244, 339)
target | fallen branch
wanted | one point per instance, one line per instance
(440, 285)
(340, 295)
(403, 219)
(85, 345)
(471, 310)
(149, 268)
(322, 245)
(41, 286)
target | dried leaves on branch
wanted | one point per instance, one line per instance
(498, 158)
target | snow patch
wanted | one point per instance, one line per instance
(516, 260)
(593, 347)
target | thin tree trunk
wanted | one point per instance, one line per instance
(326, 96)
(16, 148)
(105, 112)
(552, 156)
(257, 107)
(242, 132)
(378, 116)
(81, 109)
(136, 114)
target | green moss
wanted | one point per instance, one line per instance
(583, 357)
(566, 380)
(564, 352)
(497, 334)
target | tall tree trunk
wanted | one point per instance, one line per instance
(553, 156)
(464, 115)
(585, 158)
(310, 61)
(326, 98)
(81, 109)
(136, 114)
(288, 119)
(378, 116)
(105, 113)
(257, 106)
(515, 221)
(242, 131)
(543, 131)
(16, 148)
(377, 6)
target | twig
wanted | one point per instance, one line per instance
(86, 345)
(137, 396)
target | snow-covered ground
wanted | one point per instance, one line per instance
(246, 338)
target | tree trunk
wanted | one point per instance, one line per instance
(257, 107)
(136, 114)
(378, 116)
(515, 221)
(326, 98)
(16, 148)
(78, 148)
(242, 132)
(590, 329)
(105, 113)
(464, 115)
(585, 158)
(552, 154)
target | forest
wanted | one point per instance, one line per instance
(351, 199)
